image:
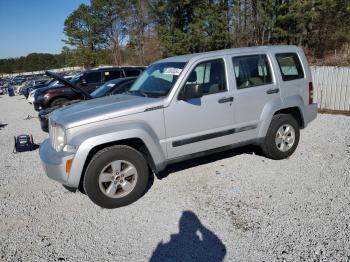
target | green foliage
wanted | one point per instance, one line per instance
(32, 62)
(191, 26)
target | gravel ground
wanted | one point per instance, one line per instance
(234, 206)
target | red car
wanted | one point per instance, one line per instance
(88, 81)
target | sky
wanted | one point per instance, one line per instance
(28, 26)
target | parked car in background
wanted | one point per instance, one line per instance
(35, 84)
(179, 108)
(53, 83)
(88, 81)
(113, 87)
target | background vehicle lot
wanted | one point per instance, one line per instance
(260, 209)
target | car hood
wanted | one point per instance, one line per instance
(42, 90)
(103, 108)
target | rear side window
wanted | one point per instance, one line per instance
(131, 72)
(252, 70)
(109, 75)
(290, 66)
(94, 77)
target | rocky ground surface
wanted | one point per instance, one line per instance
(233, 206)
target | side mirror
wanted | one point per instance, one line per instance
(190, 92)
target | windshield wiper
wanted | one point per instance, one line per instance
(137, 92)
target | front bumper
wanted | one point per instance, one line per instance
(54, 163)
(44, 121)
(38, 105)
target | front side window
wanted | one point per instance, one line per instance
(290, 66)
(94, 77)
(158, 79)
(210, 75)
(252, 70)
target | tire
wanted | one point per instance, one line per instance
(59, 102)
(279, 147)
(116, 176)
(70, 189)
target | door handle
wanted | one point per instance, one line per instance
(272, 91)
(225, 99)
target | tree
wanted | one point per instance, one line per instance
(192, 26)
(83, 29)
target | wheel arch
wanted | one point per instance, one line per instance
(53, 99)
(134, 136)
(295, 112)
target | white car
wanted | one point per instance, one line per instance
(30, 98)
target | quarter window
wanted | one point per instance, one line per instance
(131, 72)
(252, 70)
(210, 75)
(290, 66)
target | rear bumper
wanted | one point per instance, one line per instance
(54, 163)
(310, 113)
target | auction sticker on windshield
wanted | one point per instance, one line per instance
(172, 71)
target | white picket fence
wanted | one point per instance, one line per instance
(332, 87)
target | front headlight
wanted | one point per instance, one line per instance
(58, 137)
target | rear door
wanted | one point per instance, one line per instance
(295, 82)
(256, 87)
(112, 74)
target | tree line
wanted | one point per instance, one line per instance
(139, 32)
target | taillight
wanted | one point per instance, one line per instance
(311, 93)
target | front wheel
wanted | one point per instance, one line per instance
(282, 137)
(116, 176)
(59, 102)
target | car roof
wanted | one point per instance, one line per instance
(101, 69)
(119, 80)
(274, 48)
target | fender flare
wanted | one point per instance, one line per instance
(89, 140)
(273, 106)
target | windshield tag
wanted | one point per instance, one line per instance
(172, 71)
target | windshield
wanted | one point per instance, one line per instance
(75, 79)
(158, 79)
(102, 90)
(54, 83)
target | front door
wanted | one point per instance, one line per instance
(202, 123)
(91, 81)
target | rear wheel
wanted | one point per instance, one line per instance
(282, 137)
(116, 176)
(59, 102)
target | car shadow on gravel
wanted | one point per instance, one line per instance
(193, 242)
(202, 160)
